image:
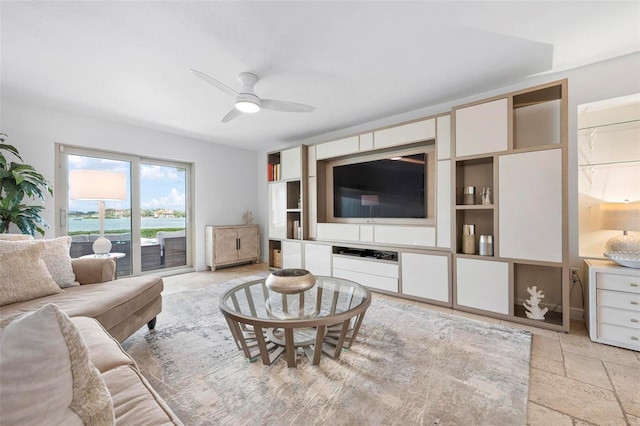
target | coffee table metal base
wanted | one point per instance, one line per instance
(269, 343)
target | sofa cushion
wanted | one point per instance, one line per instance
(135, 402)
(55, 255)
(105, 353)
(46, 376)
(24, 276)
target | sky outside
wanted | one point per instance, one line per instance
(162, 187)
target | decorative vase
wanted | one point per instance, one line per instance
(290, 281)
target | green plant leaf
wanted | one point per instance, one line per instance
(17, 182)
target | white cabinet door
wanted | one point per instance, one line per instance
(277, 210)
(482, 128)
(405, 133)
(530, 189)
(425, 276)
(291, 254)
(337, 148)
(291, 163)
(482, 284)
(312, 206)
(317, 259)
(443, 203)
(443, 140)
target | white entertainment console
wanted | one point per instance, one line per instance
(515, 144)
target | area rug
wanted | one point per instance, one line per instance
(409, 365)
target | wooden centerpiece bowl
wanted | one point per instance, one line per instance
(290, 281)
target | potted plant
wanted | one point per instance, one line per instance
(17, 181)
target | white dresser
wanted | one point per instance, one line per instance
(612, 300)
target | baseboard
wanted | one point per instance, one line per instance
(577, 314)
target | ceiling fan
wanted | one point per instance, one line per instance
(247, 101)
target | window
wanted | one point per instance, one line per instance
(150, 228)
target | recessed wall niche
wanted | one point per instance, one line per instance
(608, 165)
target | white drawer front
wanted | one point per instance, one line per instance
(406, 235)
(368, 267)
(617, 299)
(368, 280)
(338, 231)
(619, 317)
(627, 337)
(618, 282)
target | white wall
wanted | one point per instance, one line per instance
(602, 80)
(225, 177)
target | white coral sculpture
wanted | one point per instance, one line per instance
(531, 305)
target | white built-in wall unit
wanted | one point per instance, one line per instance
(386, 208)
(515, 145)
(390, 230)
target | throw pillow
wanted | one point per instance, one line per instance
(46, 376)
(24, 276)
(55, 255)
(15, 237)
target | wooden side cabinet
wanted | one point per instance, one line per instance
(612, 297)
(231, 245)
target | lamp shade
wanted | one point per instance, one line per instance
(620, 216)
(97, 185)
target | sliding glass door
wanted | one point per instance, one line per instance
(163, 216)
(149, 230)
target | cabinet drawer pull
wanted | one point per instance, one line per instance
(634, 320)
(634, 338)
(634, 303)
(633, 285)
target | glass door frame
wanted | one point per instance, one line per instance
(62, 195)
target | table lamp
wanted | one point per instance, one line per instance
(101, 186)
(623, 249)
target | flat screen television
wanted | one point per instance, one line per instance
(394, 188)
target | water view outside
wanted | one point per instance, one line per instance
(90, 224)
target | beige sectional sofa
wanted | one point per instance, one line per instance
(105, 312)
(121, 306)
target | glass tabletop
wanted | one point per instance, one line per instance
(328, 297)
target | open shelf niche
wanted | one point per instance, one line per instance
(537, 117)
(479, 173)
(273, 167)
(545, 278)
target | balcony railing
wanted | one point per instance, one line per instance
(169, 251)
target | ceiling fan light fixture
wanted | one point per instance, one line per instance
(247, 106)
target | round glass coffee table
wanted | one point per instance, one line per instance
(325, 318)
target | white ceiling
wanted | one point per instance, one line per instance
(355, 61)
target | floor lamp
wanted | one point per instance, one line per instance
(99, 186)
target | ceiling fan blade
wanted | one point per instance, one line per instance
(285, 106)
(231, 115)
(214, 82)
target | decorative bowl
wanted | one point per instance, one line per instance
(290, 281)
(630, 261)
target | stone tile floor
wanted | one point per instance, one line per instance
(573, 381)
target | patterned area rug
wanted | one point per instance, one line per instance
(409, 365)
